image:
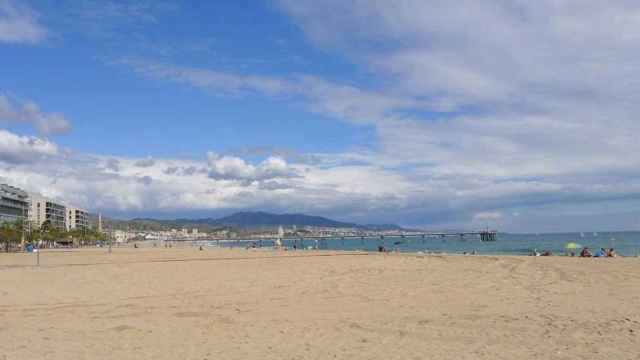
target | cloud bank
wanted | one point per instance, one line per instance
(16, 150)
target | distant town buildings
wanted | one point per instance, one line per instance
(123, 236)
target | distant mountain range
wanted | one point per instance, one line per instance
(247, 220)
(259, 219)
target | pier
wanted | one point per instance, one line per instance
(484, 236)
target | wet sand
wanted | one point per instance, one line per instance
(238, 304)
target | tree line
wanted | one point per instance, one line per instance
(12, 233)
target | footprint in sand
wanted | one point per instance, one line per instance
(122, 328)
(187, 314)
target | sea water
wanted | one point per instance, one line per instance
(625, 243)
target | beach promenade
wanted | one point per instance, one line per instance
(182, 303)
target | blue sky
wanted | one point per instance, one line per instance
(416, 112)
(87, 44)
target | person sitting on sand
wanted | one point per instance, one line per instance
(585, 253)
(600, 253)
(546, 253)
(611, 253)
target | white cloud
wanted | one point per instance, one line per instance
(482, 52)
(235, 168)
(442, 170)
(19, 24)
(15, 149)
(341, 101)
(29, 112)
(541, 91)
(117, 184)
(364, 192)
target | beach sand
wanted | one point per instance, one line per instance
(239, 304)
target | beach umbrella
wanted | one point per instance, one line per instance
(572, 246)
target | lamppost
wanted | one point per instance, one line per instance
(24, 222)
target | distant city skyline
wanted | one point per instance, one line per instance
(433, 114)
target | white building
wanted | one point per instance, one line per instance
(46, 211)
(123, 236)
(77, 219)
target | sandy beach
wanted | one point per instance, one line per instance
(239, 304)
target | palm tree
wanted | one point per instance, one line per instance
(10, 233)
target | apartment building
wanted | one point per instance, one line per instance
(77, 219)
(14, 204)
(46, 211)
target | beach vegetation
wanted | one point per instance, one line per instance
(10, 234)
(14, 234)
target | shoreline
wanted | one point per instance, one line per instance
(264, 249)
(130, 255)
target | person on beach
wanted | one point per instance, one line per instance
(585, 253)
(611, 253)
(600, 253)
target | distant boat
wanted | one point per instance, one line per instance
(595, 234)
(581, 234)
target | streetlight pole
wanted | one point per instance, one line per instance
(24, 222)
